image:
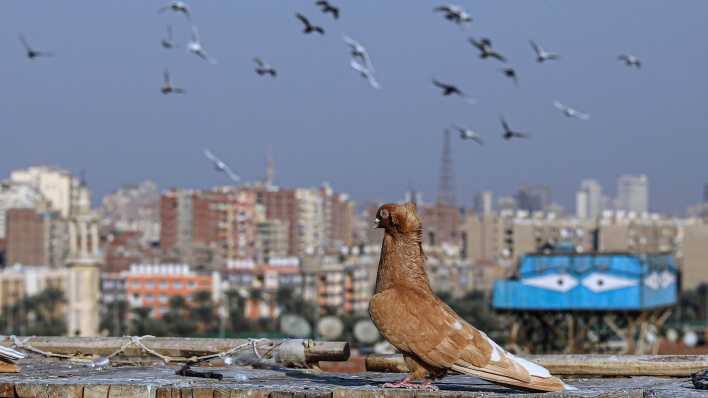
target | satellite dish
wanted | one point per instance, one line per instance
(330, 327)
(672, 335)
(384, 347)
(690, 339)
(365, 331)
(295, 326)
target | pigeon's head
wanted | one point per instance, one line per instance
(399, 218)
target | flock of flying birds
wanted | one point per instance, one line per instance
(360, 62)
(459, 16)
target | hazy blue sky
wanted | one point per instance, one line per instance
(97, 105)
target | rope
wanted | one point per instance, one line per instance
(137, 342)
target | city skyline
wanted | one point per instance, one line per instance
(101, 111)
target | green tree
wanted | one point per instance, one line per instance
(143, 323)
(114, 318)
(177, 320)
(203, 311)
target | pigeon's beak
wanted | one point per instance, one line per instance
(377, 223)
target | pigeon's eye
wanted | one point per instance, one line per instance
(384, 213)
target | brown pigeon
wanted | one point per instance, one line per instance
(431, 336)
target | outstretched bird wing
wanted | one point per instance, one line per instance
(303, 19)
(22, 40)
(504, 124)
(259, 62)
(535, 47)
(421, 325)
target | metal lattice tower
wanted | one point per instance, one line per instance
(270, 168)
(446, 189)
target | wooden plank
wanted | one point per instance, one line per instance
(583, 365)
(173, 346)
(49, 391)
(96, 390)
(7, 390)
(131, 391)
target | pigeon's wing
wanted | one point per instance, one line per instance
(22, 40)
(195, 34)
(303, 19)
(443, 8)
(498, 56)
(503, 123)
(358, 67)
(559, 105)
(351, 42)
(535, 47)
(421, 325)
(441, 85)
(211, 156)
(478, 139)
(475, 42)
(233, 176)
(259, 62)
(322, 3)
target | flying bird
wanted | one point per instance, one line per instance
(177, 6)
(168, 87)
(309, 28)
(167, 42)
(326, 7)
(195, 47)
(359, 52)
(455, 14)
(630, 60)
(431, 336)
(484, 45)
(570, 112)
(220, 166)
(449, 89)
(509, 133)
(511, 73)
(467, 134)
(263, 68)
(541, 54)
(365, 73)
(31, 52)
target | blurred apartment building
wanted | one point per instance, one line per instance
(211, 227)
(502, 238)
(153, 285)
(135, 209)
(64, 192)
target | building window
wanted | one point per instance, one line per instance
(149, 285)
(163, 284)
(177, 284)
(136, 284)
(163, 298)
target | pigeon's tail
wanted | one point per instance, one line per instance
(509, 370)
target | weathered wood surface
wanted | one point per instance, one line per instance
(583, 365)
(183, 348)
(40, 377)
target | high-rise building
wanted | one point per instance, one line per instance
(134, 208)
(633, 193)
(484, 202)
(534, 198)
(35, 237)
(339, 213)
(221, 220)
(589, 200)
(15, 195)
(64, 192)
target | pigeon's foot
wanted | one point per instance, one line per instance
(406, 383)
